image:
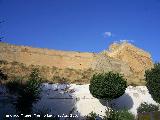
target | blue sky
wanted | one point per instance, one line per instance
(81, 25)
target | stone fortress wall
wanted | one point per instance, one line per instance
(38, 56)
(124, 58)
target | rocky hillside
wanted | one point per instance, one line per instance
(121, 57)
(126, 59)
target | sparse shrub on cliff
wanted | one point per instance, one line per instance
(107, 86)
(145, 107)
(22, 65)
(87, 73)
(3, 62)
(79, 81)
(15, 63)
(61, 80)
(91, 116)
(54, 68)
(152, 78)
(34, 81)
(29, 93)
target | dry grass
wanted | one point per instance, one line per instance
(49, 74)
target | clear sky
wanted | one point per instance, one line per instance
(81, 25)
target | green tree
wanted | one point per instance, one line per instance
(30, 93)
(152, 78)
(145, 107)
(3, 76)
(107, 86)
(91, 116)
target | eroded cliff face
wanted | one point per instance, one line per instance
(124, 58)
(137, 60)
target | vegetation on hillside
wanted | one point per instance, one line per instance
(153, 82)
(49, 74)
(113, 115)
(91, 116)
(3, 76)
(121, 115)
(145, 107)
(107, 86)
(27, 93)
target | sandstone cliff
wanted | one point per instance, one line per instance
(121, 57)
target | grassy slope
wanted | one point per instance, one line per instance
(50, 74)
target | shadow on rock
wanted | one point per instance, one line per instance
(123, 102)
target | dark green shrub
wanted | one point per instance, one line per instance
(153, 82)
(29, 93)
(15, 63)
(34, 82)
(121, 115)
(91, 116)
(15, 85)
(107, 86)
(3, 76)
(145, 107)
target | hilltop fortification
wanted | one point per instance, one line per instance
(45, 57)
(121, 57)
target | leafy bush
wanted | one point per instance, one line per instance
(145, 107)
(153, 82)
(107, 86)
(28, 93)
(91, 116)
(34, 82)
(3, 76)
(15, 85)
(121, 115)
